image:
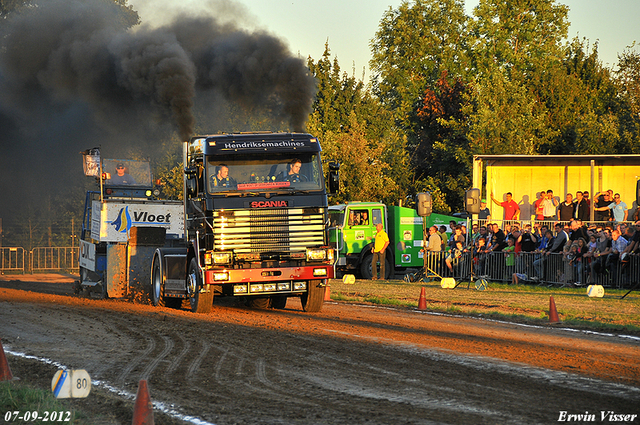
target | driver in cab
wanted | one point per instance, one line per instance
(293, 172)
(221, 178)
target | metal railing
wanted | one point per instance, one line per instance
(12, 259)
(53, 258)
(39, 259)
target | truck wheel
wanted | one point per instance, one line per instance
(259, 303)
(313, 299)
(278, 302)
(157, 287)
(200, 302)
(365, 267)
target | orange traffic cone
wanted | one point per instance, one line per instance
(422, 302)
(143, 409)
(5, 370)
(327, 293)
(553, 313)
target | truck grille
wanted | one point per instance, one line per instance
(268, 230)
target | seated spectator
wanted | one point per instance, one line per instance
(517, 278)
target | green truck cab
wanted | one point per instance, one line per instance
(353, 228)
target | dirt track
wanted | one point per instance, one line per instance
(347, 364)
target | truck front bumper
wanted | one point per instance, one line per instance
(268, 281)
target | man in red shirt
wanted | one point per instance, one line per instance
(538, 205)
(511, 208)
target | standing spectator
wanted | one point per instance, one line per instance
(539, 205)
(578, 230)
(618, 209)
(510, 256)
(601, 206)
(381, 242)
(560, 240)
(618, 245)
(453, 256)
(603, 248)
(484, 213)
(581, 208)
(497, 239)
(443, 237)
(456, 237)
(475, 233)
(543, 248)
(565, 210)
(479, 253)
(511, 208)
(585, 195)
(528, 240)
(432, 250)
(549, 206)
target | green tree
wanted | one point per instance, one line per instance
(518, 36)
(628, 80)
(414, 44)
(356, 130)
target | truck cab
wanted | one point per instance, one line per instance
(352, 230)
(255, 208)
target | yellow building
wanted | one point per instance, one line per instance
(526, 175)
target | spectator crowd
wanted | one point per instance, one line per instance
(560, 245)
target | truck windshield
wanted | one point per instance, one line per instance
(124, 172)
(276, 171)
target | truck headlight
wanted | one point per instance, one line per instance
(316, 254)
(222, 257)
(221, 276)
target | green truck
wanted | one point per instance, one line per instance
(353, 227)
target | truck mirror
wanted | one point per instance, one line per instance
(424, 204)
(472, 201)
(334, 178)
(192, 187)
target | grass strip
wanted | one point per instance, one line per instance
(518, 303)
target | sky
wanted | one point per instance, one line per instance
(348, 26)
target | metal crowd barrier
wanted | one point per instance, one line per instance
(12, 259)
(40, 259)
(553, 269)
(53, 258)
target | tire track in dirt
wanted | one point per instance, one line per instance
(168, 347)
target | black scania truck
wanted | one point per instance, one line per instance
(255, 218)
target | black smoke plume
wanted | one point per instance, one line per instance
(69, 51)
(71, 78)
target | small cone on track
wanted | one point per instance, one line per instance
(327, 293)
(553, 313)
(143, 409)
(422, 302)
(5, 370)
